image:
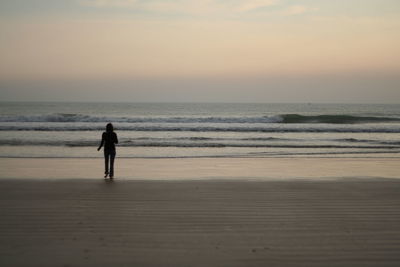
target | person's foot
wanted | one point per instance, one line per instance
(105, 174)
(111, 177)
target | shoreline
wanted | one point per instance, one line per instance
(200, 168)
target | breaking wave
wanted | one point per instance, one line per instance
(284, 118)
(335, 119)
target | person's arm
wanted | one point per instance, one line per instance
(102, 143)
(116, 139)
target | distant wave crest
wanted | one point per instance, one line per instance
(336, 119)
(284, 118)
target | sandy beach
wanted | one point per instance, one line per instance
(217, 216)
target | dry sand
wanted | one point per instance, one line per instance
(224, 222)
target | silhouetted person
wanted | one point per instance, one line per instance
(109, 139)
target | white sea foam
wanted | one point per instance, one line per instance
(193, 144)
(182, 128)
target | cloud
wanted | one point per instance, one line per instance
(109, 3)
(183, 6)
(297, 10)
(255, 4)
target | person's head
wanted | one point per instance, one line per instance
(109, 128)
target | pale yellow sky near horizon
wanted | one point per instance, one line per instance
(125, 39)
(124, 48)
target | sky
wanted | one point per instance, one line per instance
(342, 51)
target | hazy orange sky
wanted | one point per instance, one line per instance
(211, 50)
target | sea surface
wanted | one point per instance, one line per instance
(178, 130)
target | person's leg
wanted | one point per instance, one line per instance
(112, 157)
(106, 156)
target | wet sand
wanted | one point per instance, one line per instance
(200, 222)
(201, 168)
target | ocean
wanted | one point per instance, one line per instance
(180, 130)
